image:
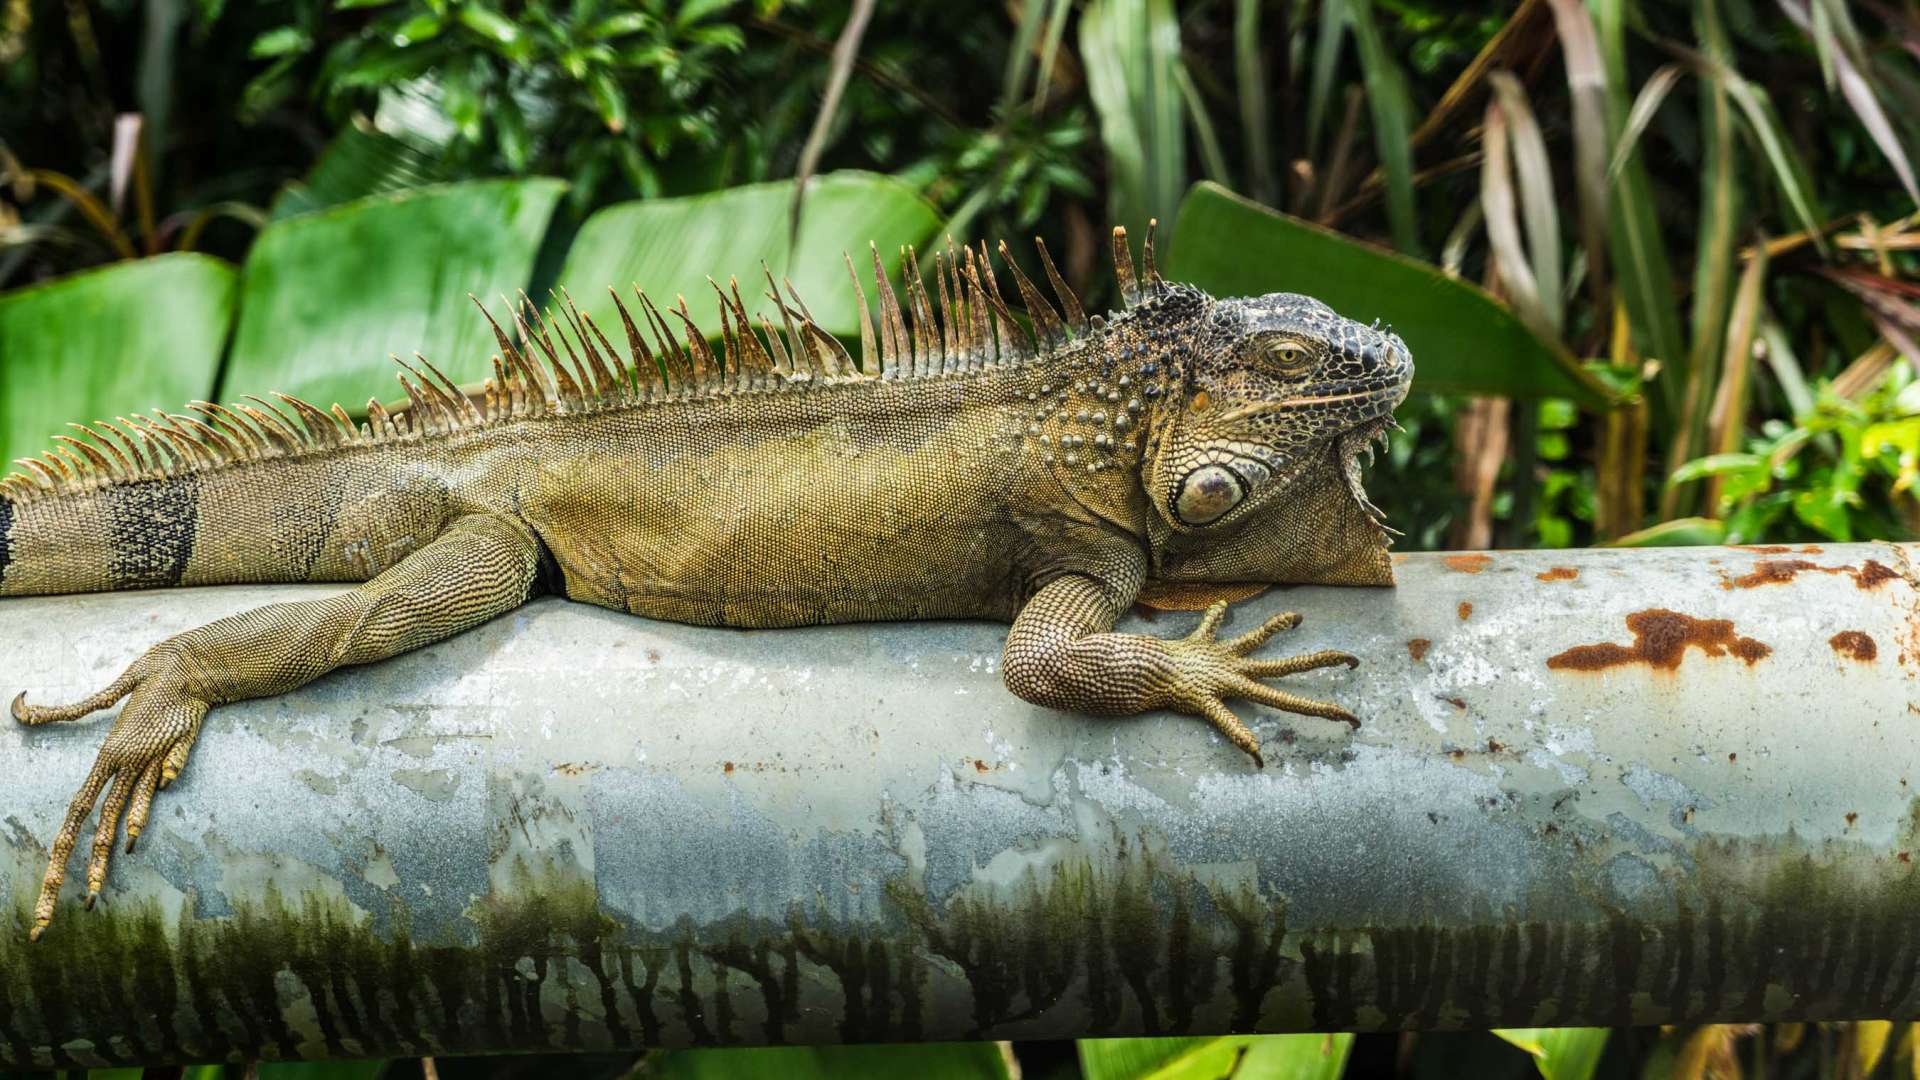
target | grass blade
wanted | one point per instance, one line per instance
(1250, 76)
(1726, 422)
(1713, 262)
(1838, 42)
(1326, 63)
(1211, 156)
(1392, 107)
(1789, 171)
(1131, 49)
(1503, 226)
(1534, 175)
(1587, 88)
(1642, 272)
(1645, 105)
(1515, 43)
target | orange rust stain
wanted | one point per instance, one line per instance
(1770, 572)
(1494, 746)
(1780, 571)
(1458, 703)
(1764, 549)
(1852, 816)
(1854, 643)
(1733, 757)
(1466, 610)
(1471, 562)
(1660, 640)
(979, 766)
(1906, 857)
(1417, 649)
(1872, 573)
(727, 767)
(1558, 573)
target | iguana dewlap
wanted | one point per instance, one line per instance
(967, 467)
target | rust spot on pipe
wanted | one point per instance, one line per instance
(1852, 817)
(1471, 562)
(1660, 640)
(1764, 549)
(1867, 575)
(1856, 644)
(1872, 573)
(1417, 649)
(1558, 573)
(727, 767)
(1465, 610)
(1769, 572)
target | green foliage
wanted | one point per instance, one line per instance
(669, 246)
(571, 87)
(85, 347)
(1843, 471)
(326, 298)
(1229, 1057)
(1560, 1053)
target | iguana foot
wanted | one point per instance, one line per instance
(1207, 672)
(144, 752)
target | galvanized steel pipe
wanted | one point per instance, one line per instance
(1598, 787)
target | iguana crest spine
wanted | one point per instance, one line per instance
(973, 328)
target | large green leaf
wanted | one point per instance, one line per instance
(936, 1061)
(133, 336)
(1239, 1057)
(1462, 338)
(327, 297)
(1560, 1053)
(669, 247)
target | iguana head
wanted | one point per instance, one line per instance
(1264, 427)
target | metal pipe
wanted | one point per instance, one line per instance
(1596, 787)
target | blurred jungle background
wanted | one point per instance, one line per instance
(1654, 260)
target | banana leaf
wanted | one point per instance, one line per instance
(327, 297)
(669, 247)
(1462, 338)
(132, 336)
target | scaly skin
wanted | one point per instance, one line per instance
(1184, 440)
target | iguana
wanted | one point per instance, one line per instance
(972, 465)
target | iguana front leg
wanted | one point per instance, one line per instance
(1062, 653)
(478, 567)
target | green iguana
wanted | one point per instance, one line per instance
(968, 467)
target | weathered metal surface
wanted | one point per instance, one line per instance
(1577, 798)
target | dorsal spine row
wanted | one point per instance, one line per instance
(563, 364)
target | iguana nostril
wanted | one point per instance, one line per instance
(1207, 494)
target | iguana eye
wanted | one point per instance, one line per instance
(1207, 494)
(1289, 356)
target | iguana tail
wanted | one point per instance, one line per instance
(204, 505)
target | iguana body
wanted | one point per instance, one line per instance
(977, 476)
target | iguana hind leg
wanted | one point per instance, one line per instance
(1062, 652)
(479, 567)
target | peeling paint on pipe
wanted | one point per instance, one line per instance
(572, 829)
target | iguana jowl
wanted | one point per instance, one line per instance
(967, 468)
